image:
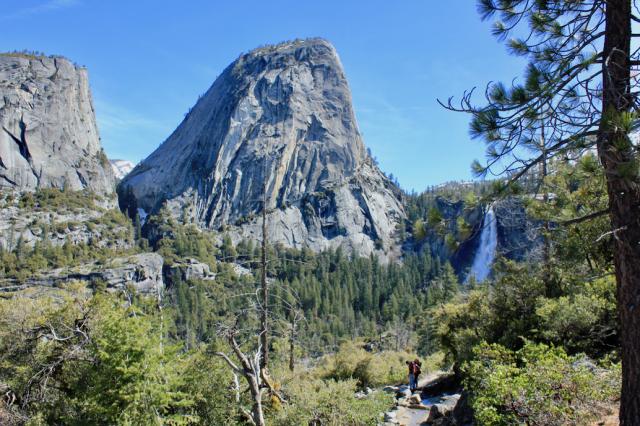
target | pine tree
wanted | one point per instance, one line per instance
(581, 52)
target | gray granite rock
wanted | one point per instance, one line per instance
(142, 271)
(48, 132)
(191, 269)
(279, 117)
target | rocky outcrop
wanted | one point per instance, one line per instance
(190, 269)
(77, 219)
(277, 123)
(142, 272)
(48, 133)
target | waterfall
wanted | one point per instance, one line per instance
(487, 250)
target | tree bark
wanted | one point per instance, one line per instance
(623, 186)
(256, 410)
(292, 344)
(264, 313)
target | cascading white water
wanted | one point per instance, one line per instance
(487, 250)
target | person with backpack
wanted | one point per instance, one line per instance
(416, 373)
(412, 381)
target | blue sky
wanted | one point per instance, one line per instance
(149, 60)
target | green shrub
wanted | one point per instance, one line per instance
(537, 385)
(330, 403)
(368, 369)
(585, 321)
(51, 199)
(109, 365)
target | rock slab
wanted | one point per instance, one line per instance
(141, 271)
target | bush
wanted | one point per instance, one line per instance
(52, 199)
(368, 369)
(460, 325)
(330, 403)
(585, 321)
(207, 382)
(104, 364)
(537, 385)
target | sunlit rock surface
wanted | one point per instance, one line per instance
(48, 133)
(278, 120)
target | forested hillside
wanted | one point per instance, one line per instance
(258, 268)
(371, 315)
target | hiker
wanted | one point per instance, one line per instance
(416, 372)
(412, 378)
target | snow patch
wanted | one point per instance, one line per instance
(121, 168)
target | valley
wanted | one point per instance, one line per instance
(260, 268)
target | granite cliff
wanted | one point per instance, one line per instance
(48, 133)
(278, 123)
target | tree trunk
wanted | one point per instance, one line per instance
(623, 186)
(256, 410)
(292, 346)
(264, 314)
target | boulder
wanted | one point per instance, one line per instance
(403, 392)
(390, 389)
(390, 416)
(414, 399)
(434, 413)
(191, 269)
(444, 407)
(462, 412)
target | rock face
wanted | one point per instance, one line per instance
(519, 236)
(121, 168)
(278, 121)
(141, 271)
(48, 133)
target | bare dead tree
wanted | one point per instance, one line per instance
(294, 319)
(249, 368)
(264, 311)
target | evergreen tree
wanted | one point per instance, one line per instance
(580, 51)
